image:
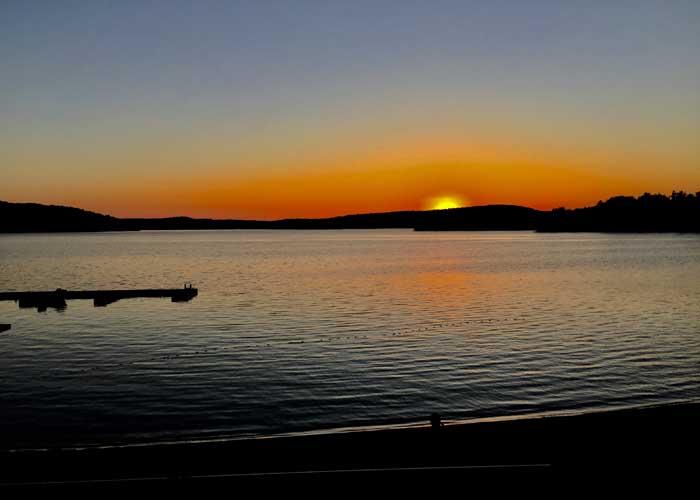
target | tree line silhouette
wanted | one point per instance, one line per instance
(679, 212)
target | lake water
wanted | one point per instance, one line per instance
(297, 331)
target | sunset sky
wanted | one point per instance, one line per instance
(270, 109)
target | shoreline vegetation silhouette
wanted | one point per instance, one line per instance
(679, 212)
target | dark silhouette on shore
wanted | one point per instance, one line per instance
(679, 212)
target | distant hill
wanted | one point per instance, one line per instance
(36, 218)
(482, 218)
(679, 212)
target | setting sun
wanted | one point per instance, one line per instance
(445, 202)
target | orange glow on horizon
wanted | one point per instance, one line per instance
(445, 202)
(336, 191)
(396, 176)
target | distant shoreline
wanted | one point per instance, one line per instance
(657, 213)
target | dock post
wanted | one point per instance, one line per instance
(435, 422)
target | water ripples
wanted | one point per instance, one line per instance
(300, 331)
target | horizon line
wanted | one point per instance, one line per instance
(344, 214)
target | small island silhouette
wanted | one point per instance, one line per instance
(679, 212)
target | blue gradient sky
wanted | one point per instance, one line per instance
(268, 109)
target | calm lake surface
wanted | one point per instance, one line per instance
(310, 330)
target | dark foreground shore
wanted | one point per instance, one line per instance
(647, 444)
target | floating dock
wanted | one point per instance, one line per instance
(57, 298)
